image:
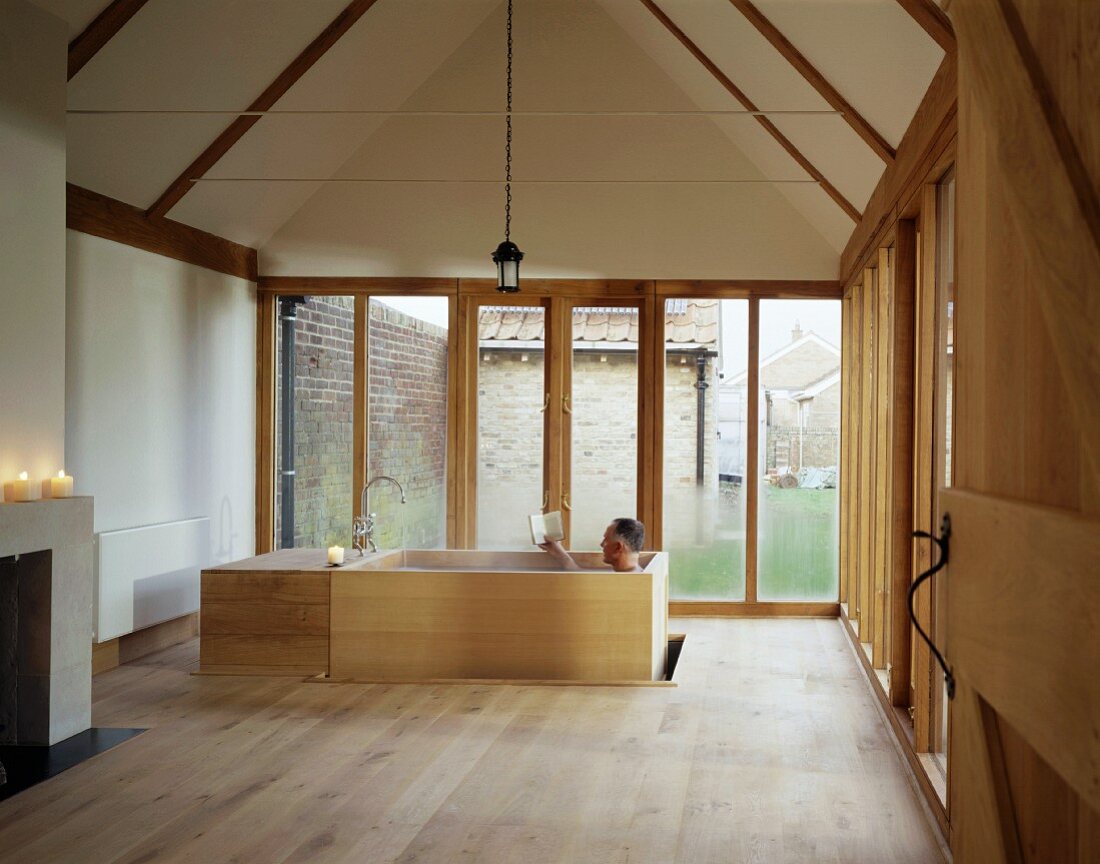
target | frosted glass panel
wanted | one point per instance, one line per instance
(799, 441)
(604, 421)
(705, 436)
(510, 392)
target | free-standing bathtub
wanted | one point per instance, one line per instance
(418, 615)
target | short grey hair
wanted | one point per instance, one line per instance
(631, 532)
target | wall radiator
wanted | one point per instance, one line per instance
(147, 575)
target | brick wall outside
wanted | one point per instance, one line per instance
(510, 394)
(509, 469)
(408, 409)
(408, 429)
(323, 365)
(820, 447)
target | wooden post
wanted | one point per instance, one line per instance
(752, 454)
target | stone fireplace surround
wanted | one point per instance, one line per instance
(45, 620)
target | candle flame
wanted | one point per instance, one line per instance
(22, 475)
(61, 473)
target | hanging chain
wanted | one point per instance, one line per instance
(508, 139)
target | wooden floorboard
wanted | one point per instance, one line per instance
(769, 749)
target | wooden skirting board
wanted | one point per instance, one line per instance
(516, 682)
(730, 609)
(133, 646)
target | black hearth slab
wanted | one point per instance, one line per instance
(28, 764)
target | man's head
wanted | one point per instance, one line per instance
(622, 541)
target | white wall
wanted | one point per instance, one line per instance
(161, 391)
(33, 58)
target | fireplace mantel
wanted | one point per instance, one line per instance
(46, 574)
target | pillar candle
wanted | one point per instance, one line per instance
(21, 488)
(61, 486)
(335, 554)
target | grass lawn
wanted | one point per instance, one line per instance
(798, 552)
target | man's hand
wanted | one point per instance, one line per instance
(555, 550)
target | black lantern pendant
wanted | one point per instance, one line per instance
(507, 255)
(507, 258)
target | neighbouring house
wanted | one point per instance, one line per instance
(604, 411)
(799, 407)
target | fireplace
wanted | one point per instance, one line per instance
(45, 620)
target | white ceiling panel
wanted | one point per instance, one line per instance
(448, 55)
(617, 229)
(135, 157)
(588, 231)
(871, 51)
(834, 148)
(199, 54)
(381, 61)
(747, 58)
(77, 13)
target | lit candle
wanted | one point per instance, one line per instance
(61, 486)
(21, 488)
(335, 554)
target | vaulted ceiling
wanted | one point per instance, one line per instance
(651, 96)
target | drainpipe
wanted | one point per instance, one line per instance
(288, 315)
(701, 413)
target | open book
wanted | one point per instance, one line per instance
(546, 526)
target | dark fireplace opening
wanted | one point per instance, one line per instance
(25, 606)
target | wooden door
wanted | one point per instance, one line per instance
(1023, 590)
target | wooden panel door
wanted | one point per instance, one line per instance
(1023, 596)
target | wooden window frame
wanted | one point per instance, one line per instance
(558, 296)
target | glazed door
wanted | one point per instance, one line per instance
(553, 418)
(600, 418)
(510, 376)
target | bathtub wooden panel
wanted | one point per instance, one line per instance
(274, 622)
(579, 626)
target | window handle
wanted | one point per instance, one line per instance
(545, 405)
(565, 502)
(545, 500)
(565, 406)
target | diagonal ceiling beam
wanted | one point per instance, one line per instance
(737, 94)
(933, 19)
(275, 91)
(97, 34)
(816, 80)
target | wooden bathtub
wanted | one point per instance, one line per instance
(417, 615)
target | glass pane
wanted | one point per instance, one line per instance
(945, 285)
(407, 412)
(705, 443)
(313, 451)
(799, 396)
(510, 391)
(603, 479)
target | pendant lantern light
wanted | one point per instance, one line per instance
(507, 255)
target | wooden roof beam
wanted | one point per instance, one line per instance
(816, 80)
(265, 101)
(771, 128)
(934, 21)
(97, 34)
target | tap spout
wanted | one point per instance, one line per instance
(364, 496)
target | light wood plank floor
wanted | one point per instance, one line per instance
(769, 749)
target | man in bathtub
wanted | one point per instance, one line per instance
(622, 541)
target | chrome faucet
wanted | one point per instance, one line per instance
(362, 526)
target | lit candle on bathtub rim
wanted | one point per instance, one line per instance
(21, 488)
(61, 486)
(335, 554)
